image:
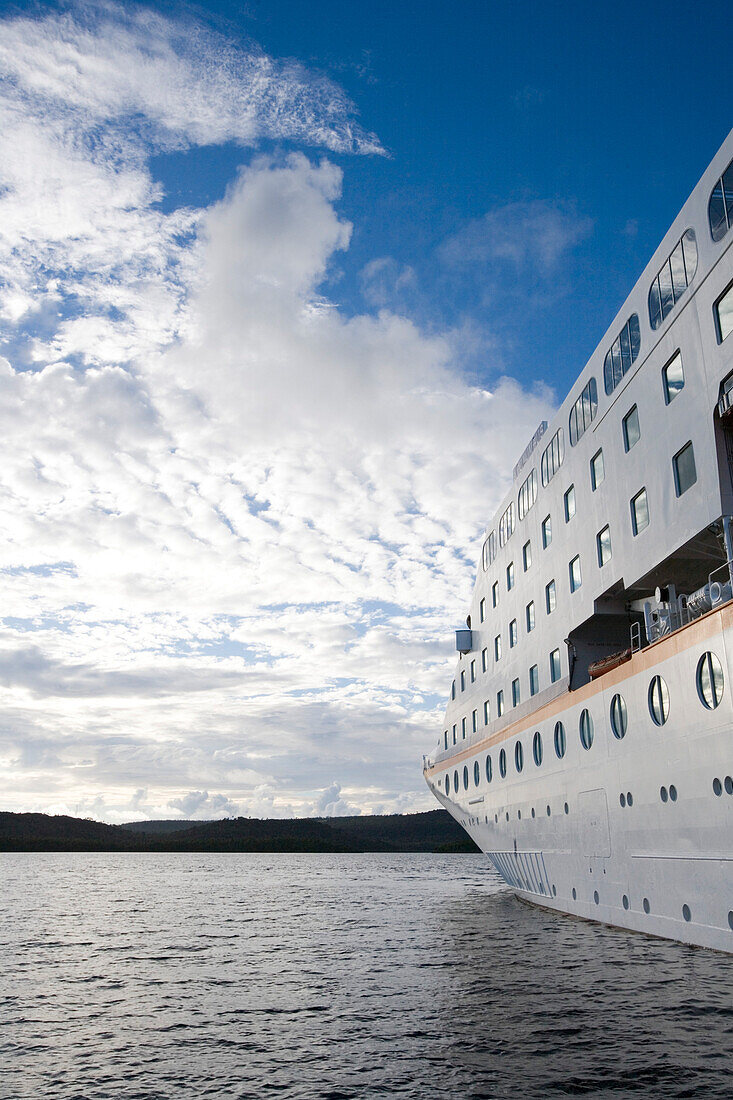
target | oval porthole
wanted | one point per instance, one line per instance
(489, 769)
(518, 756)
(686, 912)
(586, 729)
(465, 777)
(476, 773)
(455, 782)
(537, 748)
(559, 740)
(659, 700)
(619, 717)
(447, 784)
(710, 680)
(502, 763)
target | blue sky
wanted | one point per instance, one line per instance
(282, 286)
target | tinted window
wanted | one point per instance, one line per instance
(586, 729)
(502, 763)
(489, 770)
(476, 773)
(639, 512)
(537, 748)
(603, 545)
(673, 378)
(632, 433)
(658, 700)
(720, 207)
(527, 494)
(559, 739)
(724, 314)
(622, 353)
(583, 411)
(597, 470)
(618, 716)
(685, 474)
(518, 756)
(710, 680)
(552, 457)
(673, 279)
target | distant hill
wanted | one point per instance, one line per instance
(433, 831)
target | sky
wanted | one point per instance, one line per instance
(284, 291)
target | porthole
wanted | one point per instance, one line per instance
(618, 716)
(502, 763)
(596, 897)
(686, 913)
(447, 784)
(586, 729)
(658, 700)
(533, 813)
(559, 740)
(728, 784)
(730, 919)
(646, 906)
(549, 811)
(625, 901)
(554, 890)
(455, 781)
(537, 748)
(519, 815)
(476, 773)
(507, 816)
(465, 777)
(518, 756)
(710, 680)
(575, 894)
(672, 793)
(663, 794)
(622, 800)
(629, 798)
(567, 808)
(717, 786)
(488, 769)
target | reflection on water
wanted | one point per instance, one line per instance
(147, 976)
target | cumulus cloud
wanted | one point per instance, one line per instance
(239, 521)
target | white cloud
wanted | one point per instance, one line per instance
(239, 523)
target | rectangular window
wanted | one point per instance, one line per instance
(454, 734)
(473, 672)
(474, 720)
(575, 578)
(484, 660)
(724, 314)
(495, 593)
(527, 555)
(513, 633)
(463, 679)
(546, 532)
(529, 614)
(569, 504)
(673, 378)
(603, 545)
(685, 474)
(534, 680)
(445, 739)
(497, 647)
(550, 597)
(555, 665)
(639, 512)
(510, 576)
(487, 713)
(463, 728)
(597, 470)
(453, 690)
(499, 703)
(630, 423)
(482, 610)
(515, 693)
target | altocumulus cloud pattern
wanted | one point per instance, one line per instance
(233, 510)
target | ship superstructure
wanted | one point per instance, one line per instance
(587, 745)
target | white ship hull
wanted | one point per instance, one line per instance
(663, 867)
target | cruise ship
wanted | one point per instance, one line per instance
(587, 745)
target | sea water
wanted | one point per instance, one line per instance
(149, 976)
